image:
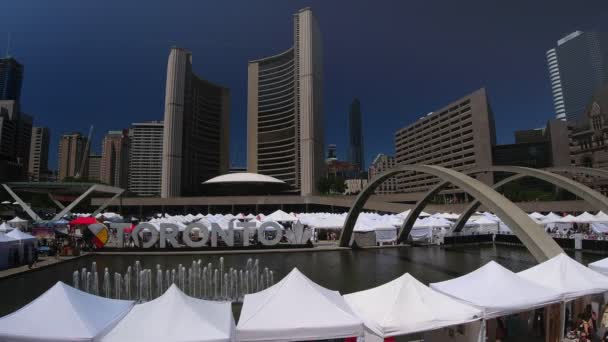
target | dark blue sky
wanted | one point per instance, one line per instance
(103, 62)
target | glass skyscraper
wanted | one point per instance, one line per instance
(578, 67)
(11, 78)
(355, 135)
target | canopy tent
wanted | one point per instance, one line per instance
(5, 227)
(405, 306)
(280, 216)
(601, 217)
(7, 246)
(83, 220)
(536, 215)
(17, 219)
(405, 213)
(599, 227)
(586, 218)
(498, 291)
(174, 316)
(486, 225)
(566, 276)
(600, 266)
(17, 234)
(296, 309)
(63, 313)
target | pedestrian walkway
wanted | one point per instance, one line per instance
(42, 263)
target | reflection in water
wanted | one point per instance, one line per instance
(346, 271)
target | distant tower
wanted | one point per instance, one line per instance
(578, 67)
(11, 78)
(355, 135)
(145, 158)
(114, 164)
(195, 138)
(285, 137)
(39, 153)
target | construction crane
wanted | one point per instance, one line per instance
(85, 155)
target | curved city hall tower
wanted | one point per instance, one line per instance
(284, 110)
(196, 136)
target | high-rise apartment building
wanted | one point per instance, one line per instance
(383, 163)
(71, 154)
(355, 135)
(578, 67)
(39, 154)
(11, 79)
(196, 133)
(146, 158)
(114, 168)
(94, 166)
(284, 110)
(15, 139)
(459, 136)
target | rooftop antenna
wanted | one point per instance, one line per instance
(8, 44)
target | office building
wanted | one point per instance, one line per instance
(39, 154)
(536, 148)
(459, 136)
(11, 79)
(94, 172)
(15, 140)
(381, 164)
(196, 132)
(115, 159)
(342, 169)
(145, 158)
(578, 66)
(284, 110)
(355, 135)
(72, 161)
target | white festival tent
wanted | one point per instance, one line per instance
(175, 316)
(19, 235)
(566, 276)
(280, 216)
(296, 309)
(537, 215)
(5, 228)
(486, 287)
(405, 306)
(600, 266)
(601, 217)
(587, 218)
(63, 313)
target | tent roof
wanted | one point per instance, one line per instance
(19, 235)
(5, 238)
(600, 266)
(174, 316)
(536, 215)
(17, 219)
(296, 309)
(586, 217)
(484, 220)
(405, 305)
(280, 216)
(497, 291)
(63, 313)
(566, 276)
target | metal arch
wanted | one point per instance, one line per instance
(538, 243)
(466, 214)
(409, 221)
(470, 210)
(591, 196)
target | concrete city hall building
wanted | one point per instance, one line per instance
(196, 131)
(459, 136)
(284, 110)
